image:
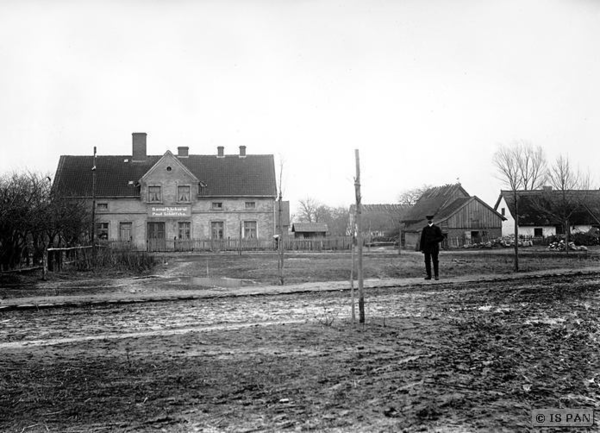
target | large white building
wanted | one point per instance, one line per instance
(540, 211)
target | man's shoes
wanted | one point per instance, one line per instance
(428, 278)
(437, 278)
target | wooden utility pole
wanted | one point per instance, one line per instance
(94, 205)
(516, 197)
(353, 233)
(280, 239)
(359, 242)
(399, 238)
(240, 236)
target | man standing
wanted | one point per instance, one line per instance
(430, 246)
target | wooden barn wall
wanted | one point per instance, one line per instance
(474, 216)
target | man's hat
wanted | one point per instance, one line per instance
(429, 217)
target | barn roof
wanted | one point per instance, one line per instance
(585, 204)
(433, 201)
(117, 175)
(442, 202)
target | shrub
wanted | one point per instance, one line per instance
(584, 239)
(122, 260)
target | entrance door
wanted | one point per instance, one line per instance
(216, 235)
(156, 237)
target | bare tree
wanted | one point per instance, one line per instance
(568, 196)
(336, 218)
(410, 196)
(32, 217)
(280, 240)
(532, 166)
(563, 176)
(520, 166)
(309, 210)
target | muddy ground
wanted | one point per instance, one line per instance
(447, 356)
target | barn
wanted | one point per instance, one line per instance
(464, 219)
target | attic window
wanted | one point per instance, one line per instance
(169, 168)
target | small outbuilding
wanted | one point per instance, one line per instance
(309, 230)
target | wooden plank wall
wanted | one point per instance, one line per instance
(475, 215)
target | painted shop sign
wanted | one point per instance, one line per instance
(169, 211)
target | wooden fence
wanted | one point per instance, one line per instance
(290, 244)
(57, 258)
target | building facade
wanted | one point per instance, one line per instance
(175, 202)
(542, 213)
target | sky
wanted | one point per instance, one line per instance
(425, 90)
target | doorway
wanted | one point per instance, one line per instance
(156, 236)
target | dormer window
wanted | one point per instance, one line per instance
(202, 188)
(154, 194)
(183, 193)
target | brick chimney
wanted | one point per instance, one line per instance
(220, 152)
(183, 152)
(242, 151)
(139, 146)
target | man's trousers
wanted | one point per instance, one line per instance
(432, 257)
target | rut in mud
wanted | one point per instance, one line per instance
(469, 357)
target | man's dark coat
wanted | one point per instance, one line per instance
(431, 238)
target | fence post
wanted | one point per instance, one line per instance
(45, 264)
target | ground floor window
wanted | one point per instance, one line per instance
(217, 230)
(538, 232)
(184, 229)
(125, 231)
(102, 231)
(249, 229)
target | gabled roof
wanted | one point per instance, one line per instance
(117, 176)
(168, 156)
(586, 206)
(442, 202)
(448, 211)
(434, 201)
(309, 227)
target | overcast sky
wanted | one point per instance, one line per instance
(425, 89)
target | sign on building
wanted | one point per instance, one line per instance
(169, 211)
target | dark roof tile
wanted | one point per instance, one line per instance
(116, 176)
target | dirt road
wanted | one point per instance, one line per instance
(475, 356)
